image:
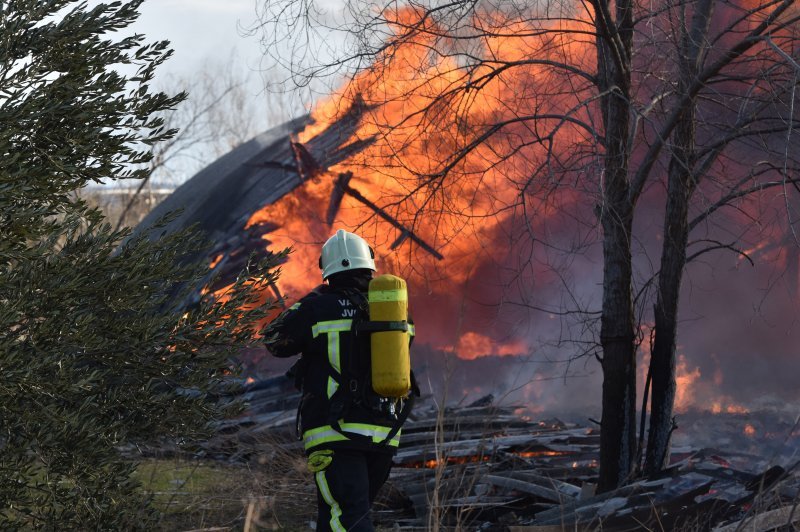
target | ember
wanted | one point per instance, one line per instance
(539, 454)
(450, 460)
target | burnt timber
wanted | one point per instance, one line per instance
(490, 467)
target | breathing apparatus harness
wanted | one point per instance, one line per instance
(365, 376)
(354, 382)
(355, 387)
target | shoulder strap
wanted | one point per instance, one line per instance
(408, 405)
(350, 384)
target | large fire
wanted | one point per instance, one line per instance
(456, 204)
(471, 218)
(692, 391)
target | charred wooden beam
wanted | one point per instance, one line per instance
(400, 239)
(278, 165)
(564, 488)
(337, 196)
(780, 518)
(307, 166)
(567, 511)
(342, 183)
(524, 487)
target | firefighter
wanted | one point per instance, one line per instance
(350, 433)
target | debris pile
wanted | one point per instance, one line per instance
(491, 467)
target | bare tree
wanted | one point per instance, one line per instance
(738, 71)
(515, 109)
(221, 111)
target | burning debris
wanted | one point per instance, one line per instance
(291, 185)
(482, 465)
(490, 467)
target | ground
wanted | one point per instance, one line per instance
(200, 495)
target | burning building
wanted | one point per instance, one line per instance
(276, 192)
(483, 186)
(497, 233)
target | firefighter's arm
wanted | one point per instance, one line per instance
(289, 334)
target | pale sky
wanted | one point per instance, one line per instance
(208, 36)
(201, 30)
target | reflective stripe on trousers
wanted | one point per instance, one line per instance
(335, 510)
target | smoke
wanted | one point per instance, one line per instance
(513, 307)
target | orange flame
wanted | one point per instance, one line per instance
(474, 345)
(475, 459)
(685, 380)
(692, 391)
(540, 454)
(433, 463)
(726, 405)
(416, 127)
(423, 137)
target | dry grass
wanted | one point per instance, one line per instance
(271, 492)
(194, 494)
(287, 498)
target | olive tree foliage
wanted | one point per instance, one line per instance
(611, 113)
(98, 347)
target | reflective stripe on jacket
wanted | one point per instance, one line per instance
(327, 434)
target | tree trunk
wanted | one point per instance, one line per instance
(673, 260)
(618, 425)
(681, 185)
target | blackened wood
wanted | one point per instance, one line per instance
(337, 194)
(524, 487)
(556, 515)
(561, 487)
(780, 518)
(399, 240)
(307, 166)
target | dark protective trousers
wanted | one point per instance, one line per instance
(347, 488)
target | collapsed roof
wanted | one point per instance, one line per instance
(220, 199)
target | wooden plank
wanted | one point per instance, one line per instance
(560, 514)
(337, 195)
(562, 487)
(780, 517)
(540, 528)
(524, 487)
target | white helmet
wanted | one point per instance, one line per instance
(345, 251)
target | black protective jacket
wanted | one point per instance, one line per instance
(338, 408)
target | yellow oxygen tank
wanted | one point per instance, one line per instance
(391, 365)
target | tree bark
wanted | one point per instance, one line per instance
(681, 185)
(673, 260)
(618, 425)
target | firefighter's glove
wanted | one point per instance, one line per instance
(319, 460)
